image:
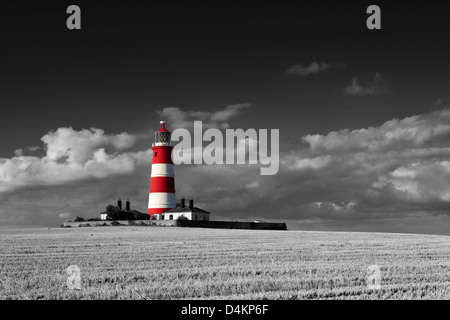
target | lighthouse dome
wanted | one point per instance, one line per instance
(163, 127)
(162, 136)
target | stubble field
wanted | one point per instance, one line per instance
(193, 263)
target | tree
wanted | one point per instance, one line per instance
(111, 208)
(113, 212)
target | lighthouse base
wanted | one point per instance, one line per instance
(157, 214)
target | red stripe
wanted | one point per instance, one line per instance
(162, 184)
(162, 154)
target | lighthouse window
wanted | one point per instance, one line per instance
(156, 154)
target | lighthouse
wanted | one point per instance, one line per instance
(162, 182)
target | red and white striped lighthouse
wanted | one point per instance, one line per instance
(162, 183)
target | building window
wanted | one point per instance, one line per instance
(204, 217)
(171, 217)
(195, 217)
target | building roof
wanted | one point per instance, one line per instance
(186, 209)
(133, 211)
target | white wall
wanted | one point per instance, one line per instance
(177, 214)
(189, 215)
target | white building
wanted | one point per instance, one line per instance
(190, 212)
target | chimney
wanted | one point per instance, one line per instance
(128, 205)
(191, 203)
(119, 203)
(183, 202)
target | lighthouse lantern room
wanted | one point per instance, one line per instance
(162, 182)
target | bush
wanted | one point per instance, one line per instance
(120, 215)
(79, 219)
(141, 216)
(182, 217)
(110, 208)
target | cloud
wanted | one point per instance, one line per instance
(218, 119)
(399, 169)
(375, 87)
(77, 147)
(252, 185)
(296, 163)
(378, 176)
(20, 152)
(70, 156)
(419, 181)
(313, 68)
(64, 215)
(432, 130)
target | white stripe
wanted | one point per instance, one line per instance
(161, 200)
(161, 144)
(162, 170)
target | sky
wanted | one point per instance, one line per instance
(364, 115)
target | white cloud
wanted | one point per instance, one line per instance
(178, 118)
(20, 152)
(64, 215)
(375, 87)
(70, 156)
(293, 162)
(252, 185)
(407, 133)
(335, 207)
(424, 180)
(313, 68)
(76, 147)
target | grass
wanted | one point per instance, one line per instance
(190, 263)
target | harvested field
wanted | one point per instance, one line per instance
(196, 263)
